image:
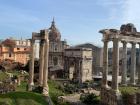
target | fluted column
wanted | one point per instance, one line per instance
(45, 71)
(105, 64)
(115, 71)
(133, 64)
(41, 59)
(124, 64)
(31, 71)
(139, 67)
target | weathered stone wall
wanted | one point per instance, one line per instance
(79, 63)
(138, 99)
(133, 99)
(110, 97)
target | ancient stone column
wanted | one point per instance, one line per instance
(79, 71)
(133, 64)
(31, 71)
(115, 71)
(105, 64)
(139, 67)
(124, 64)
(45, 71)
(41, 61)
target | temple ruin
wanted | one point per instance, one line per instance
(126, 34)
(43, 68)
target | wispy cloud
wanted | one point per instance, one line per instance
(131, 12)
(15, 15)
(109, 2)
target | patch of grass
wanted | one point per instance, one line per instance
(129, 90)
(127, 93)
(3, 76)
(22, 98)
(54, 91)
(22, 86)
(18, 73)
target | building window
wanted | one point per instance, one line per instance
(10, 54)
(55, 49)
(18, 48)
(55, 61)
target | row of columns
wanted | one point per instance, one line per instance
(115, 72)
(133, 65)
(43, 68)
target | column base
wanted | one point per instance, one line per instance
(123, 84)
(30, 87)
(138, 84)
(106, 86)
(133, 84)
(111, 97)
(45, 91)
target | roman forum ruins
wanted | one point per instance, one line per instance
(126, 34)
(78, 64)
(43, 68)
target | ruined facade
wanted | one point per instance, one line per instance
(126, 34)
(78, 64)
(97, 54)
(56, 50)
(15, 50)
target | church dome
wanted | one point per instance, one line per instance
(54, 34)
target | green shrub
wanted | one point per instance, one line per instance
(127, 92)
(55, 91)
(90, 99)
(38, 89)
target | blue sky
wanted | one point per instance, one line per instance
(78, 20)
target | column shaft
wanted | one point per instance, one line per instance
(31, 71)
(41, 59)
(105, 64)
(115, 71)
(45, 71)
(139, 68)
(133, 64)
(124, 64)
(79, 70)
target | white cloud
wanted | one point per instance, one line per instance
(110, 2)
(131, 12)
